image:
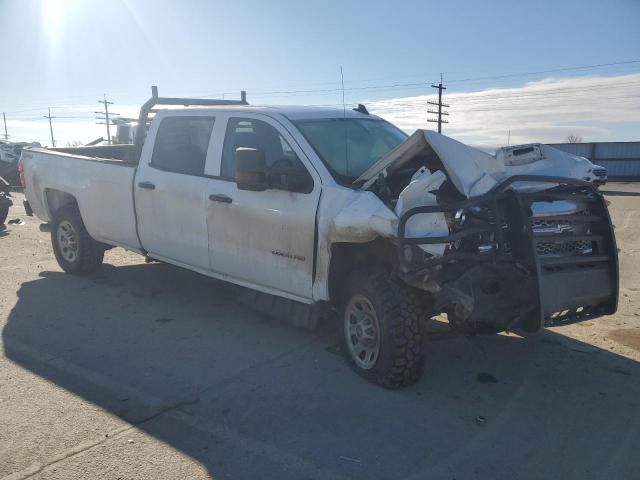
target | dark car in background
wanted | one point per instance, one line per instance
(9, 155)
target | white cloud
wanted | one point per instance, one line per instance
(20, 124)
(545, 111)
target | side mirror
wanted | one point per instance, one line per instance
(251, 169)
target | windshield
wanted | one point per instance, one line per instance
(349, 146)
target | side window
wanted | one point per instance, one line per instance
(248, 132)
(181, 144)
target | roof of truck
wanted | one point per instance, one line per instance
(292, 112)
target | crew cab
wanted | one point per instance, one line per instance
(324, 210)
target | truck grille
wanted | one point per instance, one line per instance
(560, 226)
(563, 248)
(576, 256)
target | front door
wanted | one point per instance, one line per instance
(266, 238)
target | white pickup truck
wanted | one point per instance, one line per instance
(329, 210)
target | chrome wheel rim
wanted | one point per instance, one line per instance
(68, 241)
(362, 331)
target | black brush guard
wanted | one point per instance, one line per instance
(570, 288)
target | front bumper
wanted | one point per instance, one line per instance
(518, 284)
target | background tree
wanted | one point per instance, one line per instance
(571, 138)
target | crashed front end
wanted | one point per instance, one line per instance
(515, 241)
(515, 260)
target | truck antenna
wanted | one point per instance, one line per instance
(344, 122)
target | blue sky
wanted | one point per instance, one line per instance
(67, 53)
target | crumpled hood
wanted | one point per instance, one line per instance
(474, 172)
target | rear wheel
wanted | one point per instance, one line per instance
(380, 329)
(75, 250)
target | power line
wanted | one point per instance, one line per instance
(321, 92)
(258, 92)
(542, 72)
(329, 91)
(514, 98)
(352, 89)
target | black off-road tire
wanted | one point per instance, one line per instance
(89, 252)
(399, 312)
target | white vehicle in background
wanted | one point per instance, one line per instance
(589, 171)
(126, 129)
(599, 175)
(321, 210)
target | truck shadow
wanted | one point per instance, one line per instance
(172, 353)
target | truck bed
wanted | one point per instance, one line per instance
(102, 188)
(115, 153)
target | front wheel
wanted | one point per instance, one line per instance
(380, 329)
(4, 212)
(75, 250)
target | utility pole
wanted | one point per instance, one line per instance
(53, 142)
(106, 114)
(439, 104)
(6, 135)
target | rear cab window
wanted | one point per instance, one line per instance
(182, 143)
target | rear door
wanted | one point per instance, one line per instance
(171, 189)
(265, 239)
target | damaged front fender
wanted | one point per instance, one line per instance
(363, 219)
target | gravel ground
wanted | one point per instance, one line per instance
(146, 371)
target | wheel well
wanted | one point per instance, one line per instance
(57, 199)
(349, 257)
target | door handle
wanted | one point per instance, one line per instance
(215, 197)
(146, 185)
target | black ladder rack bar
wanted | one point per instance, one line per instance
(155, 100)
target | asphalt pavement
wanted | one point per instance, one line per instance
(146, 371)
